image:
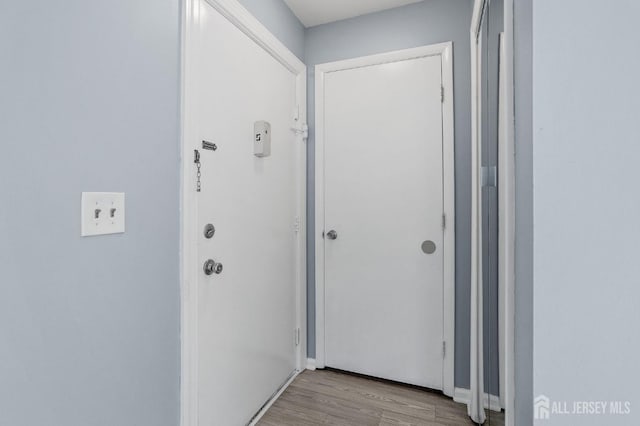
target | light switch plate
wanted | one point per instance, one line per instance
(102, 213)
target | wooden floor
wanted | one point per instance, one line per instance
(325, 397)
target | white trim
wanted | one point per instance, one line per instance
(272, 400)
(476, 362)
(477, 17)
(311, 364)
(507, 263)
(445, 50)
(490, 402)
(188, 223)
(319, 217)
(449, 205)
(248, 24)
(505, 227)
(506, 213)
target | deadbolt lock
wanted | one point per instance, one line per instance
(212, 267)
(209, 231)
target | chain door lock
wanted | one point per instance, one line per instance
(196, 160)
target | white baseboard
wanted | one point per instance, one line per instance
(311, 364)
(463, 396)
(273, 399)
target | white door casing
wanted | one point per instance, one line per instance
(475, 407)
(384, 113)
(243, 331)
(506, 212)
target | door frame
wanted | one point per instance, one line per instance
(507, 206)
(507, 235)
(506, 212)
(445, 51)
(475, 405)
(189, 231)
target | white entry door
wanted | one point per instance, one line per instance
(246, 313)
(383, 219)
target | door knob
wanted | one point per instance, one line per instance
(332, 235)
(212, 267)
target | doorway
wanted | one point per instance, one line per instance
(384, 216)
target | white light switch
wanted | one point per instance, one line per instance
(102, 213)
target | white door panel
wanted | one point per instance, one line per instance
(384, 198)
(246, 315)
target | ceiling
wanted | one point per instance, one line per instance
(316, 12)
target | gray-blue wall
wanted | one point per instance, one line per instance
(280, 20)
(89, 101)
(419, 24)
(523, 90)
(586, 209)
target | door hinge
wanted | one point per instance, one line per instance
(444, 349)
(442, 94)
(444, 221)
(296, 336)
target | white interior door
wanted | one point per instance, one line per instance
(383, 136)
(247, 313)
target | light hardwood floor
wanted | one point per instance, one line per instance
(326, 397)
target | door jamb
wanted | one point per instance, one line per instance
(506, 262)
(445, 50)
(506, 210)
(248, 24)
(475, 406)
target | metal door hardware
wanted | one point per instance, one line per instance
(212, 267)
(489, 176)
(196, 161)
(209, 145)
(196, 154)
(332, 235)
(428, 247)
(209, 231)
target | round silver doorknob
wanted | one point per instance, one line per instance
(212, 267)
(332, 235)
